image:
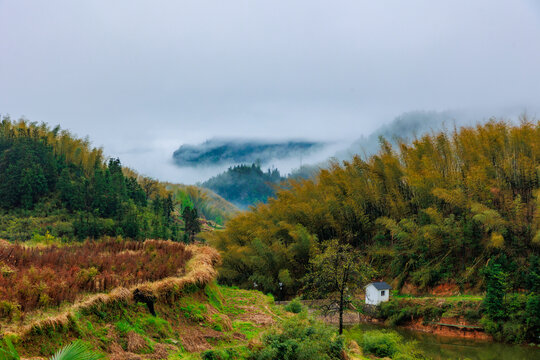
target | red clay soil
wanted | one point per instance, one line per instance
(445, 290)
(442, 330)
(351, 318)
(448, 289)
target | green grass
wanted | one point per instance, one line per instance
(246, 328)
(463, 297)
(194, 311)
(214, 307)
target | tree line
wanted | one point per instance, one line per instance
(48, 172)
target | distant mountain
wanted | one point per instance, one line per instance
(245, 185)
(405, 127)
(220, 152)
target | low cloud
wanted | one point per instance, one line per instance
(234, 151)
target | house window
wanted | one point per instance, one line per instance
(382, 293)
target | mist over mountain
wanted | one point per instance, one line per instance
(302, 159)
(405, 127)
(231, 151)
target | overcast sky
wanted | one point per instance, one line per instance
(140, 78)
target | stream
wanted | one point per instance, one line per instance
(443, 348)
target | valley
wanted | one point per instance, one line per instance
(139, 269)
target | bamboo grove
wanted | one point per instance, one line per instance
(433, 211)
(55, 185)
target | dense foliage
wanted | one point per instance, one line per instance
(39, 277)
(51, 175)
(512, 317)
(385, 344)
(301, 337)
(245, 185)
(435, 211)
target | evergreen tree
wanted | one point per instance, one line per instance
(192, 224)
(44, 170)
(496, 287)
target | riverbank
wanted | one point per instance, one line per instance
(449, 327)
(455, 316)
(437, 347)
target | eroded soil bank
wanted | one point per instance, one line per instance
(439, 347)
(450, 327)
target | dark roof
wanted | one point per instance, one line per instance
(380, 285)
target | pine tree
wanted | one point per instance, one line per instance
(192, 224)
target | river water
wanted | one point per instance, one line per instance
(443, 348)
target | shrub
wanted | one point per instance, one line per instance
(9, 310)
(300, 338)
(385, 343)
(220, 354)
(533, 319)
(513, 332)
(381, 343)
(473, 315)
(295, 306)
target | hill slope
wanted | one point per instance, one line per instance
(191, 314)
(432, 212)
(52, 182)
(245, 185)
(56, 187)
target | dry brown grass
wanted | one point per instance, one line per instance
(135, 342)
(161, 351)
(46, 277)
(200, 271)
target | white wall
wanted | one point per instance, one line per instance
(374, 297)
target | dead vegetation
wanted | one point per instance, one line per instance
(193, 315)
(199, 272)
(42, 277)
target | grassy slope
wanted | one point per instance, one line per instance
(210, 318)
(193, 315)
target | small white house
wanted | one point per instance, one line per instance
(377, 292)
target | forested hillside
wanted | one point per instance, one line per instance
(54, 185)
(245, 185)
(436, 211)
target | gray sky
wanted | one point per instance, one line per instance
(142, 77)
